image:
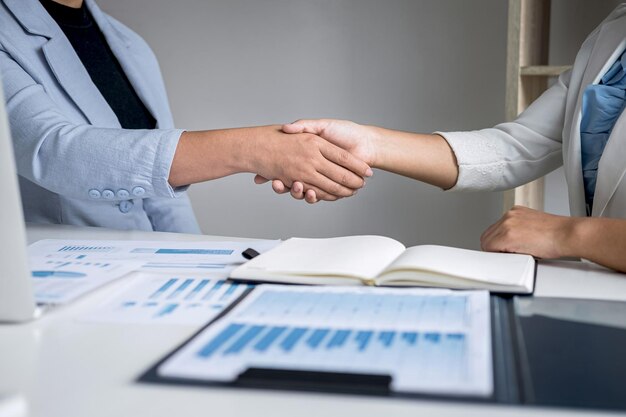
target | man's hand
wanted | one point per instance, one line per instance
(356, 139)
(523, 230)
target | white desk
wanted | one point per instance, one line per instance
(66, 368)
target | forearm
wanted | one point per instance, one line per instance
(426, 158)
(600, 240)
(330, 171)
(211, 154)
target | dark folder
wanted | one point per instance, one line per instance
(546, 352)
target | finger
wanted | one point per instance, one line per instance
(315, 194)
(279, 187)
(345, 159)
(260, 180)
(492, 242)
(341, 176)
(489, 231)
(306, 126)
(297, 190)
(310, 197)
(329, 186)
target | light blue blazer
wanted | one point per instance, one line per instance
(76, 164)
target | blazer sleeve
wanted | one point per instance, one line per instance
(71, 159)
(513, 153)
(171, 214)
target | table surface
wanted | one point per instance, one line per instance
(66, 367)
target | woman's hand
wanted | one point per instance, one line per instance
(523, 230)
(326, 169)
(318, 165)
(356, 139)
(427, 158)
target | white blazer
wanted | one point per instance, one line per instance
(547, 134)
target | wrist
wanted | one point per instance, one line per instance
(377, 146)
(253, 151)
(575, 233)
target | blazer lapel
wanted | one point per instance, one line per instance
(75, 80)
(121, 47)
(32, 17)
(608, 47)
(64, 62)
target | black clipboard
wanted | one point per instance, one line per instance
(522, 374)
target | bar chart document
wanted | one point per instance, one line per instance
(156, 256)
(58, 281)
(428, 341)
(153, 298)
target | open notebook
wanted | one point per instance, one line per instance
(378, 260)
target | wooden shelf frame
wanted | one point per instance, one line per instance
(543, 70)
(527, 77)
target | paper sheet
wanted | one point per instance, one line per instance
(161, 256)
(428, 341)
(58, 281)
(169, 299)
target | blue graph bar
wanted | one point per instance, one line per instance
(181, 288)
(292, 338)
(194, 252)
(219, 340)
(267, 340)
(170, 265)
(316, 338)
(230, 290)
(85, 248)
(213, 289)
(196, 290)
(164, 287)
(432, 337)
(338, 339)
(410, 337)
(386, 338)
(363, 338)
(246, 338)
(167, 310)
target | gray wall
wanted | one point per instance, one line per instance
(408, 64)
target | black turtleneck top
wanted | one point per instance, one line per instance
(103, 68)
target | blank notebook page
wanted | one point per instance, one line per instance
(497, 268)
(353, 256)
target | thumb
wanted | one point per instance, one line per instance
(260, 180)
(305, 126)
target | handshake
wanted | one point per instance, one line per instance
(318, 160)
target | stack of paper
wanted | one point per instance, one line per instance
(181, 282)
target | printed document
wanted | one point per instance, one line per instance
(151, 298)
(427, 340)
(155, 256)
(58, 281)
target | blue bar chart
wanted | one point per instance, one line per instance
(435, 341)
(175, 300)
(155, 256)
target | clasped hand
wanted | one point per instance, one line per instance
(346, 145)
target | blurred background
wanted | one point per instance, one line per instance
(416, 65)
